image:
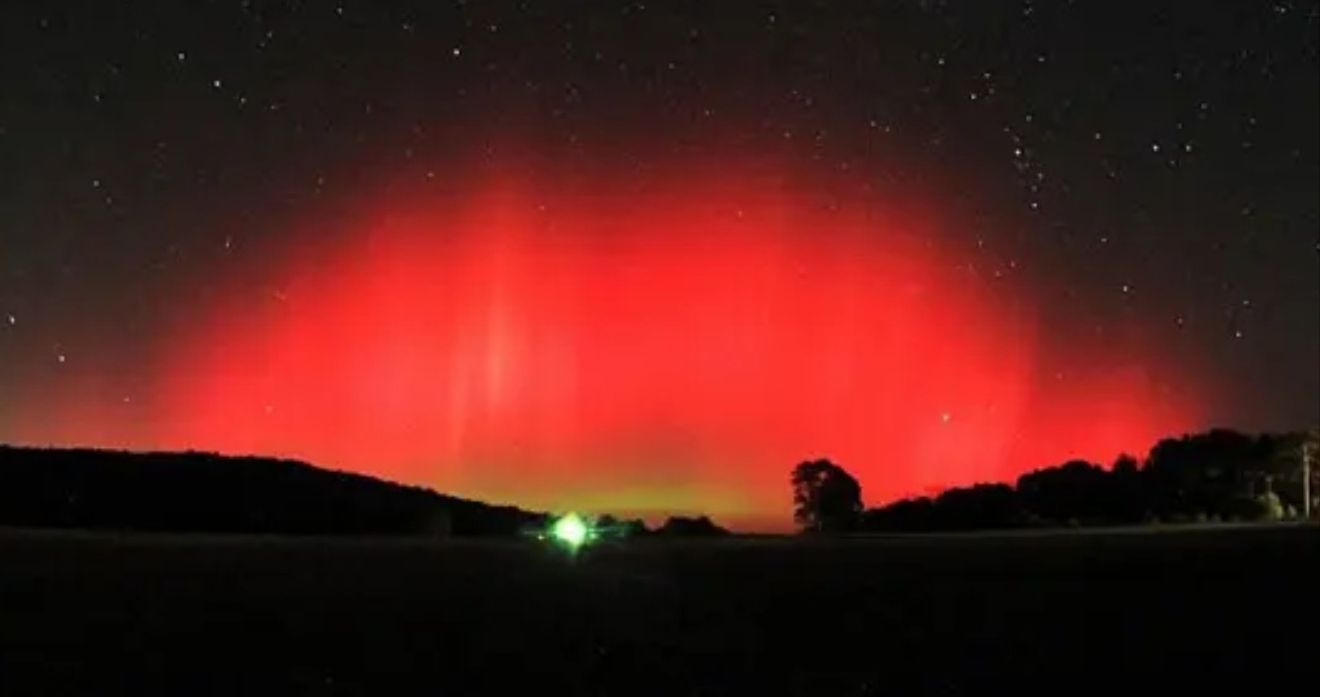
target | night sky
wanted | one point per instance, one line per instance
(646, 257)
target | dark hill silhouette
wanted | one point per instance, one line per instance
(204, 492)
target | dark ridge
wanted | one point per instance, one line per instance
(91, 489)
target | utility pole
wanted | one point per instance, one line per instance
(1306, 479)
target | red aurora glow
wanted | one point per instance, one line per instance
(648, 350)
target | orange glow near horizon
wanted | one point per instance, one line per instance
(646, 350)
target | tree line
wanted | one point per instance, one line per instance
(1217, 475)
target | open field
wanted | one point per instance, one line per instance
(81, 614)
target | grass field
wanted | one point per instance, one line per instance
(1167, 611)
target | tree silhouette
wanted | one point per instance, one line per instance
(825, 497)
(1128, 501)
(1219, 474)
(980, 507)
(700, 526)
(1287, 469)
(1077, 490)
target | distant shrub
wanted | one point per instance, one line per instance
(1271, 506)
(701, 526)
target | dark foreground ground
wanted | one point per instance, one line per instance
(1176, 613)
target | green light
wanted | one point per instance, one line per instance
(571, 530)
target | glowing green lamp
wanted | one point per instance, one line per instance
(571, 530)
